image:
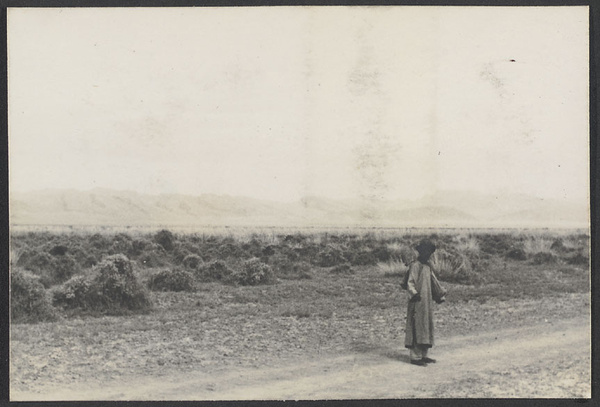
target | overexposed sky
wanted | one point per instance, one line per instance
(283, 102)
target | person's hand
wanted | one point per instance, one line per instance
(416, 298)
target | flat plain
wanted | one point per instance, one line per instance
(317, 315)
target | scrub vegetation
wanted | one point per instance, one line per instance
(165, 303)
(66, 274)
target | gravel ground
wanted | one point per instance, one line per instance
(182, 336)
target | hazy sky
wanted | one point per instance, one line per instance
(282, 102)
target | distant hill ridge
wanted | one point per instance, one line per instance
(450, 208)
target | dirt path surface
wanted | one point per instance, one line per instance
(541, 360)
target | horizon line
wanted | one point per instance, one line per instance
(301, 198)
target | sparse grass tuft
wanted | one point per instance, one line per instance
(537, 244)
(467, 244)
(391, 268)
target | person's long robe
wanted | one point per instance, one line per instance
(419, 317)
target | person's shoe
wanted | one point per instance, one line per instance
(428, 360)
(419, 362)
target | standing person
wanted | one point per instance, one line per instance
(419, 318)
(409, 256)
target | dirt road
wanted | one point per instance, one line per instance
(543, 360)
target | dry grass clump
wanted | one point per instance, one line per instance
(467, 244)
(541, 249)
(537, 244)
(391, 268)
(395, 248)
(455, 267)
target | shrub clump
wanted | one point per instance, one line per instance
(192, 261)
(330, 256)
(495, 244)
(343, 268)
(270, 250)
(59, 250)
(253, 272)
(52, 269)
(231, 250)
(29, 300)
(215, 270)
(559, 246)
(516, 254)
(291, 270)
(98, 241)
(154, 255)
(364, 258)
(77, 292)
(111, 288)
(172, 280)
(544, 258)
(578, 259)
(382, 253)
(166, 239)
(121, 243)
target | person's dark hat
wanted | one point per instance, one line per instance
(425, 248)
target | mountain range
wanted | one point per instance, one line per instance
(443, 209)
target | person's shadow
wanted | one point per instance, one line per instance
(396, 355)
(393, 353)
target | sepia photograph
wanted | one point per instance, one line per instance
(299, 203)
